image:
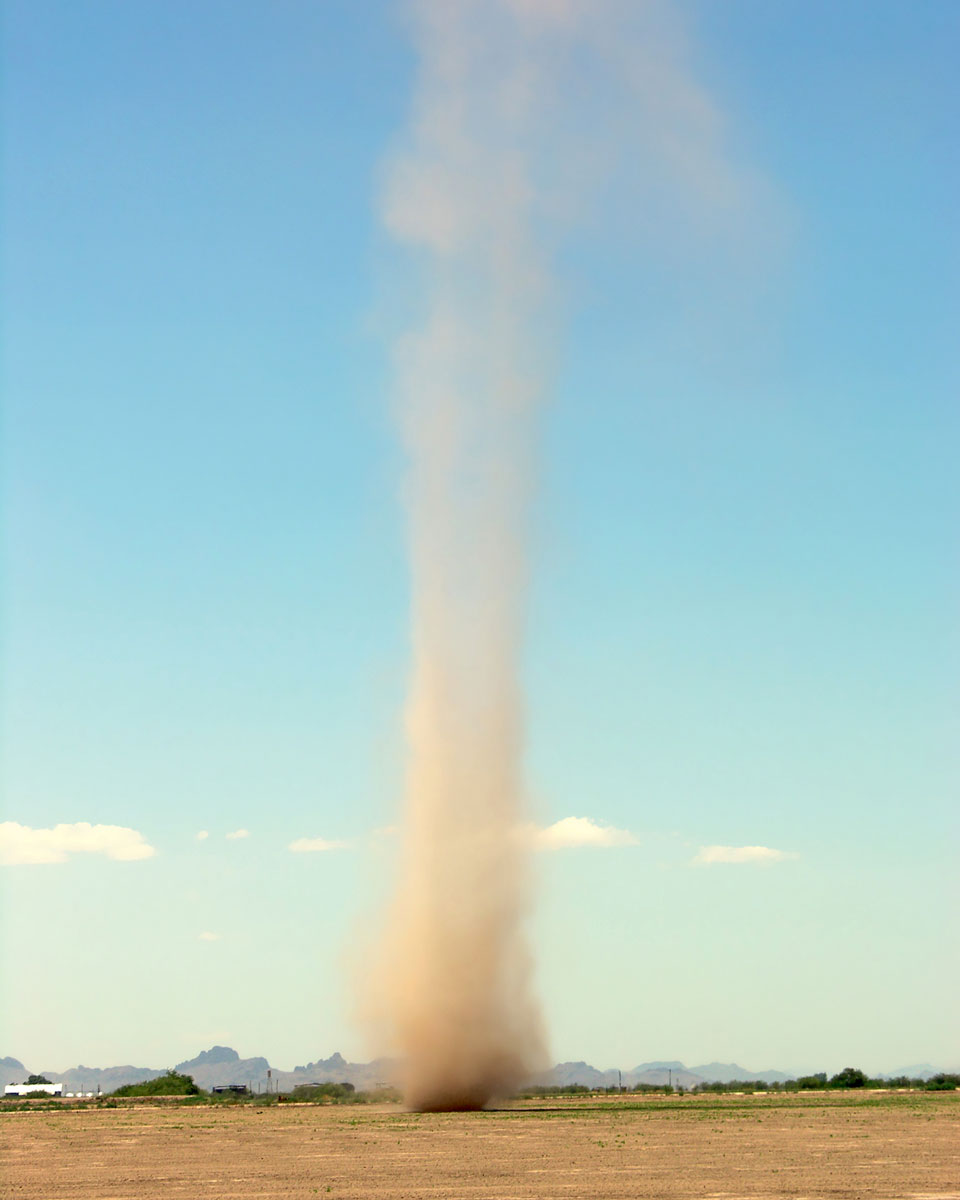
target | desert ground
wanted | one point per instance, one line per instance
(904, 1146)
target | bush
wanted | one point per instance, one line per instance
(171, 1084)
(942, 1082)
(849, 1077)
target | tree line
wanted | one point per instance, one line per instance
(849, 1077)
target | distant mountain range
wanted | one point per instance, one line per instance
(222, 1064)
(658, 1073)
(219, 1064)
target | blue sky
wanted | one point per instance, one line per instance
(743, 614)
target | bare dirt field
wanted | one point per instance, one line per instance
(904, 1146)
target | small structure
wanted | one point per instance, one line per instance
(238, 1089)
(24, 1089)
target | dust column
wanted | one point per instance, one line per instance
(457, 980)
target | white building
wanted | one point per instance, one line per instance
(24, 1089)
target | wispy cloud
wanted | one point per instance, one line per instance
(315, 845)
(20, 844)
(580, 831)
(739, 854)
(202, 835)
(238, 833)
(206, 936)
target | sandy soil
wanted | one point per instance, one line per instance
(896, 1146)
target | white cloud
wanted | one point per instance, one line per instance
(21, 844)
(580, 831)
(315, 845)
(202, 835)
(208, 937)
(739, 854)
(238, 833)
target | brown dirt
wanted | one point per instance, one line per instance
(897, 1147)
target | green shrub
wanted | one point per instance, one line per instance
(171, 1084)
(942, 1082)
(849, 1077)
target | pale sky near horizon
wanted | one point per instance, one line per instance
(742, 660)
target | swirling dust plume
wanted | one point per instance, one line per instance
(456, 964)
(506, 124)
